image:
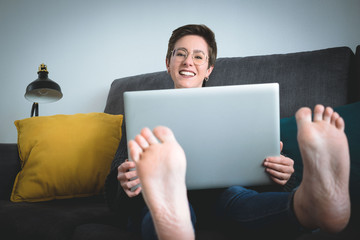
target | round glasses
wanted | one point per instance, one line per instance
(181, 54)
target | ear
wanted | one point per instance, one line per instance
(209, 71)
(167, 62)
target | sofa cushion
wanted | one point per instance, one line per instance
(55, 220)
(351, 115)
(101, 231)
(65, 156)
(305, 78)
(9, 167)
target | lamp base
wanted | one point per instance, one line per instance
(35, 109)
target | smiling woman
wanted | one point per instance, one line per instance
(185, 71)
(190, 48)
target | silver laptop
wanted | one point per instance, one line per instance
(226, 132)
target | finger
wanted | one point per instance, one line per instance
(121, 177)
(281, 145)
(275, 163)
(130, 175)
(125, 166)
(281, 160)
(137, 191)
(283, 169)
(278, 181)
(278, 175)
(127, 185)
(134, 193)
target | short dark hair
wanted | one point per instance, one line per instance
(194, 29)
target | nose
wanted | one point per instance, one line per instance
(188, 61)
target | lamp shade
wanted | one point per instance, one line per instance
(43, 89)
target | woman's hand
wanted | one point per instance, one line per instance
(124, 176)
(280, 168)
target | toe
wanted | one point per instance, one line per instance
(327, 114)
(141, 141)
(334, 117)
(340, 124)
(135, 150)
(164, 134)
(149, 136)
(303, 115)
(318, 113)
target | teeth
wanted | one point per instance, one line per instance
(187, 73)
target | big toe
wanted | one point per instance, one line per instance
(164, 134)
(303, 115)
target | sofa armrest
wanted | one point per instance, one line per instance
(9, 167)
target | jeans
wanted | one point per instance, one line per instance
(243, 210)
(266, 213)
(146, 227)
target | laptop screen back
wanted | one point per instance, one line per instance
(226, 132)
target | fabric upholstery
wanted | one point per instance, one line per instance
(305, 78)
(55, 220)
(10, 166)
(355, 86)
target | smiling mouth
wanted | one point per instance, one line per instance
(186, 73)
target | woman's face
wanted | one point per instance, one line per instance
(181, 67)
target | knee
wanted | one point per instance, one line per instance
(233, 196)
(237, 192)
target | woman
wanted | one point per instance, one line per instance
(321, 200)
(190, 60)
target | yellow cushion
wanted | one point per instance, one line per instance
(65, 156)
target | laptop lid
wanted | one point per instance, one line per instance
(226, 132)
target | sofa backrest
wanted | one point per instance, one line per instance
(305, 78)
(355, 87)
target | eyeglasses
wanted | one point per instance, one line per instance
(181, 54)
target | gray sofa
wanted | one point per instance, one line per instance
(327, 76)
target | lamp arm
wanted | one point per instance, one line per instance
(35, 109)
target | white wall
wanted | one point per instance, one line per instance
(87, 44)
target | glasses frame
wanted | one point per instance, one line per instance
(192, 55)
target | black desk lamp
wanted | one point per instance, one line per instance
(42, 90)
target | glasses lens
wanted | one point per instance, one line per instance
(199, 58)
(181, 54)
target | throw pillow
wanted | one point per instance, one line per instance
(65, 156)
(351, 115)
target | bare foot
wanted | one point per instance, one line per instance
(322, 199)
(161, 167)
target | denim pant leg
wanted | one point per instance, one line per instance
(252, 210)
(147, 226)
